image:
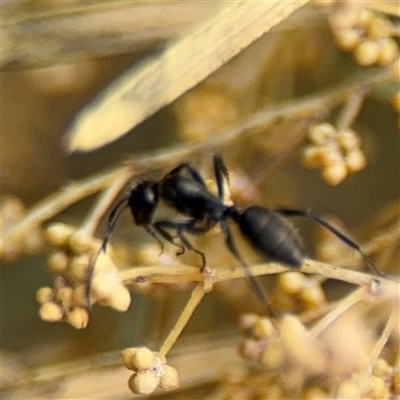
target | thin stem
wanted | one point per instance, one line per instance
(183, 273)
(341, 308)
(161, 274)
(58, 202)
(197, 294)
(351, 108)
(391, 323)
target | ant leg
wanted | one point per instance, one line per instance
(255, 286)
(302, 213)
(181, 227)
(220, 171)
(150, 231)
(188, 245)
(194, 174)
(160, 227)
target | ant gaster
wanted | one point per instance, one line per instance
(185, 191)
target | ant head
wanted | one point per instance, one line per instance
(142, 202)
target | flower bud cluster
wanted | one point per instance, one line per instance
(386, 380)
(12, 210)
(369, 38)
(150, 371)
(296, 292)
(292, 345)
(381, 384)
(258, 330)
(336, 153)
(72, 260)
(61, 303)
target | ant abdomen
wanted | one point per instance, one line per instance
(272, 235)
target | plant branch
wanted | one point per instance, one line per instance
(164, 274)
(197, 294)
(58, 202)
(391, 323)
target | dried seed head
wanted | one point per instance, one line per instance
(273, 355)
(263, 328)
(251, 349)
(312, 296)
(104, 284)
(143, 358)
(58, 262)
(247, 321)
(366, 18)
(349, 389)
(389, 52)
(315, 393)
(378, 388)
(291, 282)
(170, 379)
(381, 368)
(355, 160)
(345, 14)
(127, 358)
(367, 53)
(396, 382)
(143, 382)
(50, 312)
(379, 28)
(64, 296)
(322, 133)
(120, 298)
(44, 295)
(348, 139)
(79, 268)
(58, 234)
(78, 317)
(81, 242)
(335, 174)
(330, 156)
(300, 346)
(311, 157)
(348, 39)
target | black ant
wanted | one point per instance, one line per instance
(185, 191)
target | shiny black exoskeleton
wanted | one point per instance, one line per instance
(185, 191)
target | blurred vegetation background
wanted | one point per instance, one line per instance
(83, 47)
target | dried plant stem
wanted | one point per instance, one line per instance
(164, 274)
(348, 302)
(58, 202)
(161, 274)
(197, 294)
(351, 108)
(391, 323)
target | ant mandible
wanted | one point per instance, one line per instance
(185, 191)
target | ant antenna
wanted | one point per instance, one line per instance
(112, 220)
